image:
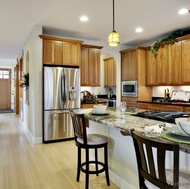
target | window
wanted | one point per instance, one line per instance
(4, 74)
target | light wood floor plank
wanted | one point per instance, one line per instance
(24, 165)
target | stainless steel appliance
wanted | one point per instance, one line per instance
(162, 115)
(129, 88)
(61, 92)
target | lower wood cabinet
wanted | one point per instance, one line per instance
(175, 108)
(131, 101)
(153, 106)
(156, 107)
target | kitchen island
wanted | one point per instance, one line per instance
(122, 158)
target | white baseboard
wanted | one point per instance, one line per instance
(32, 139)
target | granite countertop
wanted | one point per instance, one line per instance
(125, 122)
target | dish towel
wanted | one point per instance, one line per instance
(156, 128)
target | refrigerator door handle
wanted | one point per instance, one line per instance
(59, 112)
(63, 93)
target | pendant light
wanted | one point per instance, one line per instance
(113, 38)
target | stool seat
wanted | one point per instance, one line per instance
(94, 139)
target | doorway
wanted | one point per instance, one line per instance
(5, 89)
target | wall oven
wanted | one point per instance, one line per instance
(129, 88)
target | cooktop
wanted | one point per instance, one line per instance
(162, 115)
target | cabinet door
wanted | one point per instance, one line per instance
(185, 62)
(174, 71)
(151, 71)
(71, 54)
(94, 67)
(84, 66)
(129, 69)
(109, 72)
(52, 52)
(162, 65)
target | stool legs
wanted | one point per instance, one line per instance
(87, 168)
(106, 164)
(79, 164)
(96, 161)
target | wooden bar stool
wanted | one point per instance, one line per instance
(155, 171)
(87, 142)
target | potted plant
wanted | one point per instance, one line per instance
(25, 81)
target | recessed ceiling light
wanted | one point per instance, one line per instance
(84, 18)
(183, 11)
(138, 30)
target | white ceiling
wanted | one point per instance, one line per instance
(61, 17)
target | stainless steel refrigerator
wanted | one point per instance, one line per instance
(61, 92)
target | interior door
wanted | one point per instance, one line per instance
(5, 88)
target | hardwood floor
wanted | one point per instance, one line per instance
(24, 165)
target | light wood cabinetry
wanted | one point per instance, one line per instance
(71, 53)
(131, 102)
(52, 52)
(90, 65)
(151, 68)
(168, 107)
(186, 109)
(109, 72)
(174, 108)
(61, 51)
(162, 65)
(171, 66)
(174, 63)
(186, 61)
(129, 65)
(156, 106)
(133, 68)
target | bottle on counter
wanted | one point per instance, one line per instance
(168, 94)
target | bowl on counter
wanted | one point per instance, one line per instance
(183, 125)
(99, 108)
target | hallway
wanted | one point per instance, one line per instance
(24, 165)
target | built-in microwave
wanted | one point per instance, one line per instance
(129, 88)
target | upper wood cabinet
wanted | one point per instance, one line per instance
(174, 63)
(133, 68)
(71, 53)
(171, 66)
(185, 61)
(52, 52)
(109, 72)
(157, 67)
(129, 65)
(84, 66)
(61, 51)
(151, 69)
(162, 65)
(90, 65)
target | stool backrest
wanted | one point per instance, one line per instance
(151, 170)
(79, 126)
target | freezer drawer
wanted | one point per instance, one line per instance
(57, 125)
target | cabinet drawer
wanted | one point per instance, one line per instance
(143, 105)
(186, 109)
(176, 108)
(156, 107)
